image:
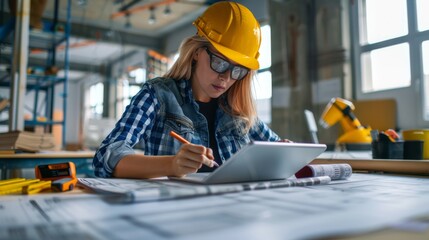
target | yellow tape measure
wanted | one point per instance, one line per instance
(55, 171)
(62, 175)
(58, 177)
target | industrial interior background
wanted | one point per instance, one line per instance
(310, 49)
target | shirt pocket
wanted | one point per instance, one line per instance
(234, 136)
(179, 124)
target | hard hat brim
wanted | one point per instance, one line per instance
(235, 56)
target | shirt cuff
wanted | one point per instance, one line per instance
(115, 152)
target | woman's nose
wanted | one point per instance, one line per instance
(225, 76)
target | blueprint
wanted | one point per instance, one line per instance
(362, 203)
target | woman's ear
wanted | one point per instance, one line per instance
(196, 54)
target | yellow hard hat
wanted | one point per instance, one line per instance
(233, 30)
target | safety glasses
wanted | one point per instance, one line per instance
(221, 65)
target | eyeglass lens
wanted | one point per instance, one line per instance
(220, 65)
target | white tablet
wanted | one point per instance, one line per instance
(260, 161)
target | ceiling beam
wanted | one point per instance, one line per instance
(75, 66)
(119, 37)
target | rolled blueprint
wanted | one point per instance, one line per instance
(334, 171)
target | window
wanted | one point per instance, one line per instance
(425, 50)
(386, 68)
(138, 75)
(379, 23)
(391, 53)
(422, 15)
(263, 79)
(265, 49)
(95, 107)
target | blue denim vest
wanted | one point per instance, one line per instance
(179, 112)
(171, 106)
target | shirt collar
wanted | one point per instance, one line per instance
(186, 90)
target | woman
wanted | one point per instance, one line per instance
(205, 97)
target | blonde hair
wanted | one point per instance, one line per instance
(239, 96)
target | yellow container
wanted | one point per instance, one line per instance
(418, 134)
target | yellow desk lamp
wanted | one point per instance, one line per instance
(341, 110)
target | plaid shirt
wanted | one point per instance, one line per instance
(163, 105)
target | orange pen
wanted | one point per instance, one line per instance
(184, 141)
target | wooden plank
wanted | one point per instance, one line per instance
(419, 167)
(60, 154)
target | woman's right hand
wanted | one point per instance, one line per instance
(190, 158)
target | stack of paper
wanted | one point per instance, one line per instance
(27, 141)
(136, 190)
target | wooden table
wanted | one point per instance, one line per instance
(82, 160)
(362, 161)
